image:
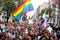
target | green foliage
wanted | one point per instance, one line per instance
(0, 2)
(42, 12)
(8, 6)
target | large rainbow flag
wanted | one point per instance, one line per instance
(22, 8)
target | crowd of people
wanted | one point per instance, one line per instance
(30, 32)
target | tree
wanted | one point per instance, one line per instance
(0, 2)
(8, 6)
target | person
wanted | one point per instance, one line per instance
(27, 37)
(3, 38)
(58, 34)
(16, 37)
(1, 35)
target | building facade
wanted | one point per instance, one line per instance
(59, 13)
(55, 15)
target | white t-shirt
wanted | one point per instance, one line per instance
(26, 31)
(49, 29)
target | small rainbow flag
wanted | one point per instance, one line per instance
(10, 20)
(22, 8)
(47, 15)
(47, 34)
(46, 18)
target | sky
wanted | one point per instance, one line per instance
(35, 4)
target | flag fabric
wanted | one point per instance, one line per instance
(44, 15)
(47, 36)
(28, 6)
(10, 20)
(46, 18)
(2, 26)
(47, 15)
(22, 8)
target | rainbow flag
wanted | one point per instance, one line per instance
(22, 8)
(10, 20)
(47, 15)
(3, 26)
(47, 36)
(46, 18)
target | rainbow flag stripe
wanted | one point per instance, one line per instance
(10, 20)
(22, 8)
(47, 15)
